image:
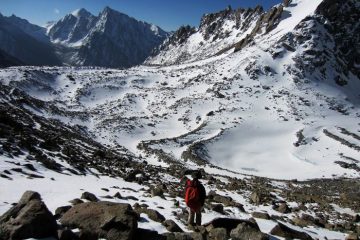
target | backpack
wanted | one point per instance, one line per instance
(192, 195)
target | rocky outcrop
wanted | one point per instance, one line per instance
(29, 218)
(267, 22)
(284, 231)
(108, 220)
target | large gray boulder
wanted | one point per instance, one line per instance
(112, 221)
(246, 232)
(284, 231)
(29, 218)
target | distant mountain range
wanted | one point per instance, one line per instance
(111, 39)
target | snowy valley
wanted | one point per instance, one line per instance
(265, 103)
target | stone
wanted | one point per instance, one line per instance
(352, 236)
(286, 232)
(157, 191)
(229, 224)
(283, 208)
(152, 214)
(89, 196)
(60, 211)
(29, 218)
(245, 231)
(257, 198)
(262, 215)
(67, 234)
(113, 221)
(76, 201)
(218, 208)
(217, 234)
(171, 226)
(146, 234)
(183, 236)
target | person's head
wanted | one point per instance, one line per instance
(196, 175)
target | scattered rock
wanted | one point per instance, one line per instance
(29, 218)
(76, 201)
(157, 191)
(113, 221)
(262, 215)
(67, 234)
(59, 212)
(218, 208)
(171, 226)
(152, 214)
(217, 234)
(146, 234)
(89, 196)
(283, 208)
(245, 231)
(286, 232)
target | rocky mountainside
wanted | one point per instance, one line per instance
(272, 124)
(111, 39)
(17, 40)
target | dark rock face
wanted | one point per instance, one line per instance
(102, 219)
(286, 232)
(29, 218)
(342, 18)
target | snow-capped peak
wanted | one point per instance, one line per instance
(82, 12)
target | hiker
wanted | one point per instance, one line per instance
(195, 195)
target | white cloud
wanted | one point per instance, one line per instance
(56, 11)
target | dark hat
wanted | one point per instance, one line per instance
(196, 174)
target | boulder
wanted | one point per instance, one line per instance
(76, 201)
(218, 208)
(229, 224)
(113, 221)
(146, 234)
(287, 232)
(258, 198)
(152, 214)
(262, 215)
(157, 191)
(245, 232)
(352, 236)
(67, 234)
(183, 236)
(217, 234)
(29, 218)
(283, 208)
(60, 211)
(89, 196)
(171, 226)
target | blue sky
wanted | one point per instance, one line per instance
(168, 14)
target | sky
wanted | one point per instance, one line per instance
(167, 14)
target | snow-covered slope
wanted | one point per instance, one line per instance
(284, 105)
(290, 113)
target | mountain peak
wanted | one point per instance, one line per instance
(107, 9)
(81, 12)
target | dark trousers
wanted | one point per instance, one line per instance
(194, 215)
